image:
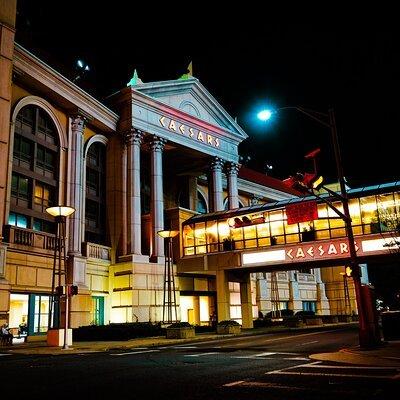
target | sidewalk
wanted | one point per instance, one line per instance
(387, 355)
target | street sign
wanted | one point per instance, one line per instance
(301, 212)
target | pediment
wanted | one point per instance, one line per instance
(191, 97)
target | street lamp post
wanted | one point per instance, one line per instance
(60, 213)
(367, 331)
(169, 300)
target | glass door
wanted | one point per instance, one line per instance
(38, 314)
(98, 310)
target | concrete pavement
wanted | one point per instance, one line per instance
(386, 355)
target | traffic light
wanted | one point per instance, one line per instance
(353, 272)
(72, 290)
(304, 182)
(59, 290)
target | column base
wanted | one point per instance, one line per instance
(137, 258)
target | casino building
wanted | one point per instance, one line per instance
(151, 157)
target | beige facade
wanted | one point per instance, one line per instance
(152, 157)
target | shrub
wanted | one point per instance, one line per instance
(180, 325)
(305, 313)
(229, 322)
(118, 331)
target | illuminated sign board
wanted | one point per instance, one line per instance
(189, 131)
(320, 250)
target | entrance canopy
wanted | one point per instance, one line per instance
(259, 236)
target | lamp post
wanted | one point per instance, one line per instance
(367, 331)
(60, 213)
(169, 300)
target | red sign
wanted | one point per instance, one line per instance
(301, 212)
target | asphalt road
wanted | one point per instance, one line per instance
(273, 366)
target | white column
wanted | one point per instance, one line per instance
(216, 177)
(133, 141)
(157, 193)
(75, 184)
(233, 194)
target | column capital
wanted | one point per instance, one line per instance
(78, 122)
(133, 136)
(216, 164)
(157, 143)
(255, 199)
(232, 168)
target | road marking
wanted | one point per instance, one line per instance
(181, 347)
(264, 354)
(296, 358)
(233, 383)
(4, 354)
(304, 344)
(134, 352)
(329, 374)
(269, 385)
(349, 367)
(296, 366)
(200, 355)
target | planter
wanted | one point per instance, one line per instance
(313, 321)
(228, 245)
(229, 329)
(55, 337)
(293, 322)
(307, 236)
(180, 333)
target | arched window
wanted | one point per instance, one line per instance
(226, 204)
(201, 203)
(95, 205)
(34, 179)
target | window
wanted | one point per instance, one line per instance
(20, 190)
(23, 151)
(96, 194)
(21, 221)
(45, 127)
(34, 178)
(45, 161)
(43, 226)
(310, 306)
(43, 197)
(201, 203)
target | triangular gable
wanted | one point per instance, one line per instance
(190, 96)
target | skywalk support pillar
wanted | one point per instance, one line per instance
(246, 303)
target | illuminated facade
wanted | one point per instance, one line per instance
(154, 156)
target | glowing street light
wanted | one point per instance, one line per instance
(264, 115)
(60, 213)
(367, 332)
(169, 302)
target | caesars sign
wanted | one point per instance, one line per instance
(321, 250)
(190, 132)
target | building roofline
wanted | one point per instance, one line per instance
(27, 63)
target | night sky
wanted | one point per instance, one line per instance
(246, 58)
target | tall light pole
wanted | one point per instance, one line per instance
(367, 331)
(60, 213)
(169, 301)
